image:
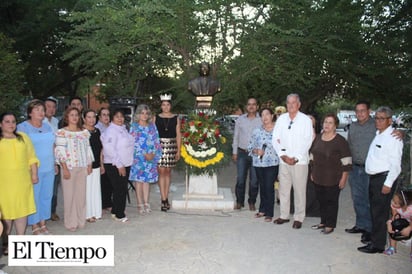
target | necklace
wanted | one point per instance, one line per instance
(166, 124)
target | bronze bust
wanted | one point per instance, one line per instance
(204, 87)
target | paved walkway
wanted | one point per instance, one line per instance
(227, 242)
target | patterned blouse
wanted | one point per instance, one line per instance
(73, 148)
(259, 138)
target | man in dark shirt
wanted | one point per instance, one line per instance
(360, 136)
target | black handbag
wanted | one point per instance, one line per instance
(398, 224)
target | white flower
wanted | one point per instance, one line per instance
(203, 146)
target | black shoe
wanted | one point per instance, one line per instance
(354, 229)
(252, 207)
(366, 237)
(164, 206)
(238, 206)
(167, 204)
(370, 249)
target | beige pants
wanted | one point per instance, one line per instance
(295, 176)
(74, 198)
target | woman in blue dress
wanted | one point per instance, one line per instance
(146, 155)
(42, 136)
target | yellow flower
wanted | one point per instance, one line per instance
(200, 164)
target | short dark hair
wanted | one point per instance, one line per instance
(75, 98)
(364, 102)
(87, 111)
(4, 114)
(115, 111)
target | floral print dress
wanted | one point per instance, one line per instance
(146, 141)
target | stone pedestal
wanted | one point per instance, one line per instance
(203, 193)
(203, 186)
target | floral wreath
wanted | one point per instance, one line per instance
(204, 148)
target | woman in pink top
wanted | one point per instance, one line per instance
(118, 147)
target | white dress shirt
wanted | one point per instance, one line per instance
(385, 154)
(293, 138)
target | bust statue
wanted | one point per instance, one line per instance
(204, 87)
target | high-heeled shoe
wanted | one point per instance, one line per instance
(164, 206)
(167, 204)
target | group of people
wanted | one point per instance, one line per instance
(95, 162)
(288, 149)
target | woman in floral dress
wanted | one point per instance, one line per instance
(147, 153)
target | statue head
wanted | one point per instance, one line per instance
(204, 69)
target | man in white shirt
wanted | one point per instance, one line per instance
(292, 138)
(51, 106)
(383, 165)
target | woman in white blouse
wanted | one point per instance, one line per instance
(75, 157)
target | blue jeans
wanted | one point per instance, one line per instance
(359, 182)
(244, 164)
(267, 177)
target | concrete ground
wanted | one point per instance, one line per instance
(227, 242)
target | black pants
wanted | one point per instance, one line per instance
(380, 209)
(328, 197)
(119, 184)
(107, 191)
(266, 178)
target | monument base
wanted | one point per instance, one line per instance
(223, 200)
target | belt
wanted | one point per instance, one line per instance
(243, 150)
(379, 174)
(359, 165)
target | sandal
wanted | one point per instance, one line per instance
(72, 229)
(390, 251)
(167, 204)
(141, 209)
(44, 230)
(319, 226)
(37, 231)
(268, 219)
(91, 220)
(259, 215)
(147, 208)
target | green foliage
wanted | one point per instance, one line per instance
(11, 77)
(355, 49)
(36, 28)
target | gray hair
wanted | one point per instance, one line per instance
(139, 110)
(293, 95)
(387, 110)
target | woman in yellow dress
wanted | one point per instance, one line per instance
(18, 173)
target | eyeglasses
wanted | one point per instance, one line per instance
(380, 119)
(290, 124)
